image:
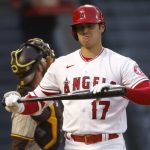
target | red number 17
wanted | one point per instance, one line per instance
(105, 109)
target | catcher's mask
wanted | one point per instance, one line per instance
(86, 14)
(25, 59)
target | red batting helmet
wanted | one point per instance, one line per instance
(86, 14)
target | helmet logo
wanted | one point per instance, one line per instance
(82, 14)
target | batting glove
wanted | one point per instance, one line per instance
(102, 86)
(11, 104)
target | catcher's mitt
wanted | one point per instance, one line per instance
(28, 56)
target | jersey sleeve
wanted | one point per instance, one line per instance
(48, 86)
(131, 74)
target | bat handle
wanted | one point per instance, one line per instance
(19, 101)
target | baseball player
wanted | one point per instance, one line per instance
(30, 63)
(91, 124)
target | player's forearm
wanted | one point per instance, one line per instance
(31, 108)
(139, 95)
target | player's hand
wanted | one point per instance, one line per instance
(102, 86)
(11, 104)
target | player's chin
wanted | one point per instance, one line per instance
(85, 41)
(87, 44)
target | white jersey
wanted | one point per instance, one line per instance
(73, 73)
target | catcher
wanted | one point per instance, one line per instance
(39, 131)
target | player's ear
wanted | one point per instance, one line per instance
(102, 27)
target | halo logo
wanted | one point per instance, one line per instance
(82, 14)
(138, 71)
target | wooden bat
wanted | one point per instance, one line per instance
(86, 94)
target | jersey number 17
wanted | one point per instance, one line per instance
(106, 105)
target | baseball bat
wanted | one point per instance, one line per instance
(113, 92)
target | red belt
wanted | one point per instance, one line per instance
(90, 139)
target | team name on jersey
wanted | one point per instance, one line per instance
(84, 82)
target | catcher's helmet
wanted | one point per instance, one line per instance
(25, 59)
(86, 14)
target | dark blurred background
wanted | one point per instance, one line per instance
(127, 32)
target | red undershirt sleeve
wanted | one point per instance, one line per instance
(31, 108)
(140, 94)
